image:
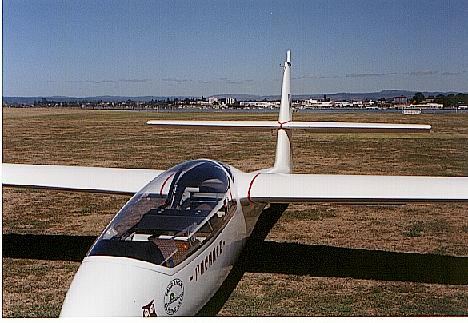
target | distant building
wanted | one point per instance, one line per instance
(427, 106)
(343, 104)
(213, 100)
(400, 99)
(260, 104)
(313, 103)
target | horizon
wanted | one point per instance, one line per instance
(121, 48)
(231, 94)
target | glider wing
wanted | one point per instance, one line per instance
(287, 188)
(76, 178)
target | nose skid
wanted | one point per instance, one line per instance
(106, 286)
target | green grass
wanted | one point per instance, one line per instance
(88, 209)
(415, 230)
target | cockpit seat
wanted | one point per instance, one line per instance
(142, 250)
(167, 247)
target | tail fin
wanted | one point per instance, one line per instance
(285, 108)
(283, 157)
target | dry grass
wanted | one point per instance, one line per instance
(289, 295)
(35, 288)
(121, 139)
(423, 228)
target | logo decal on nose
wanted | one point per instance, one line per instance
(148, 310)
(174, 296)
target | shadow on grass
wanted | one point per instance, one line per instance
(265, 223)
(46, 247)
(261, 256)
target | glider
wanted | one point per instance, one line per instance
(171, 246)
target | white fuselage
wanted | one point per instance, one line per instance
(120, 286)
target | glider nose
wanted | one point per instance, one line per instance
(106, 286)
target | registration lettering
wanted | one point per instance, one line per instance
(209, 260)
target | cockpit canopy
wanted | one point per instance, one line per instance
(195, 184)
(172, 216)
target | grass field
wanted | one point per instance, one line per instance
(432, 234)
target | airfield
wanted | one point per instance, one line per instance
(317, 259)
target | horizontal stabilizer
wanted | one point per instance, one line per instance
(226, 125)
(76, 178)
(345, 127)
(286, 188)
(335, 127)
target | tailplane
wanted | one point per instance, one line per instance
(285, 125)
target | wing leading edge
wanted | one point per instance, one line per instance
(286, 188)
(76, 178)
(318, 127)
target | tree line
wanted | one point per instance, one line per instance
(449, 100)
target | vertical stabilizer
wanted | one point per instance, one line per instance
(285, 107)
(283, 158)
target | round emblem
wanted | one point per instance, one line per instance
(174, 296)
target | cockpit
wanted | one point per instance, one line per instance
(176, 214)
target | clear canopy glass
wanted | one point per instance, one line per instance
(171, 217)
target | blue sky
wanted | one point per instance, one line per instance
(194, 48)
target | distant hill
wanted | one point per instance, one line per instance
(377, 95)
(104, 98)
(240, 97)
(245, 97)
(334, 96)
